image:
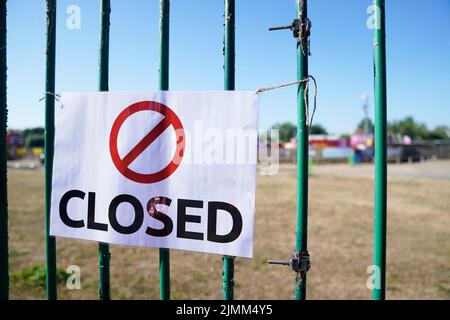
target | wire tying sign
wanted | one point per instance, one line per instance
(157, 169)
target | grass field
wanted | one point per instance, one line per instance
(340, 243)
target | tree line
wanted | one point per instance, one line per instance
(34, 137)
(417, 131)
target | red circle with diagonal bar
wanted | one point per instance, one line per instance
(170, 119)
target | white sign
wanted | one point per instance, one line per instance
(157, 169)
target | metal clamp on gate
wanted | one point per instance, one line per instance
(300, 263)
(300, 28)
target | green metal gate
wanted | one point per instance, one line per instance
(301, 29)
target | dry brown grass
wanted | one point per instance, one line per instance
(340, 242)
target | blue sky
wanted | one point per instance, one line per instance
(418, 44)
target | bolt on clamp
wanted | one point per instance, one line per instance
(300, 263)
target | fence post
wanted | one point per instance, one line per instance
(50, 242)
(164, 26)
(4, 264)
(103, 248)
(229, 70)
(302, 152)
(380, 151)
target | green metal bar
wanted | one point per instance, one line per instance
(379, 293)
(4, 263)
(302, 154)
(229, 68)
(228, 278)
(164, 25)
(229, 44)
(50, 242)
(103, 248)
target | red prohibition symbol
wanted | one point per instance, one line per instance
(170, 119)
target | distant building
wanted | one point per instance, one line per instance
(14, 143)
(319, 141)
(328, 148)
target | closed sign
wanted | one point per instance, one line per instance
(157, 169)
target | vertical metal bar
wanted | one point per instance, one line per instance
(50, 242)
(302, 153)
(103, 85)
(4, 264)
(228, 277)
(380, 152)
(164, 25)
(229, 68)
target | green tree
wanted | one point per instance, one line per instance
(32, 131)
(439, 133)
(409, 127)
(417, 131)
(318, 129)
(34, 141)
(362, 124)
(287, 131)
